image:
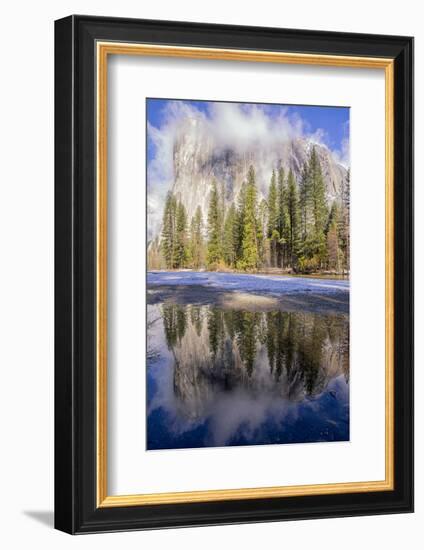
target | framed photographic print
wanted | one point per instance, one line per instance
(234, 274)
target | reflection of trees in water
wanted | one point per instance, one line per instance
(244, 328)
(174, 322)
(196, 318)
(152, 353)
(290, 354)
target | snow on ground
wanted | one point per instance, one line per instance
(247, 282)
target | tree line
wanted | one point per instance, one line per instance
(294, 228)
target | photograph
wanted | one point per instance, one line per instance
(248, 269)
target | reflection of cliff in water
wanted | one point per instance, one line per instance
(281, 354)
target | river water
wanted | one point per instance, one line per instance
(225, 375)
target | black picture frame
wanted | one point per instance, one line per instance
(76, 510)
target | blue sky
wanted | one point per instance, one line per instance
(330, 125)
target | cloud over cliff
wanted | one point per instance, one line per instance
(220, 127)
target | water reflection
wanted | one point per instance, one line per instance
(232, 377)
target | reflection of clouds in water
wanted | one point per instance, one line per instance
(241, 415)
(238, 414)
(198, 389)
(227, 415)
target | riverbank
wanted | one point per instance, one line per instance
(270, 271)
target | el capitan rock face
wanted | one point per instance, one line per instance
(198, 160)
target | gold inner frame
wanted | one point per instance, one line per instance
(104, 49)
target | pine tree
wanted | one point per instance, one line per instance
(263, 248)
(333, 248)
(313, 215)
(168, 231)
(250, 259)
(332, 231)
(214, 250)
(333, 217)
(272, 229)
(180, 254)
(230, 240)
(305, 202)
(319, 206)
(347, 209)
(344, 224)
(281, 217)
(293, 215)
(239, 222)
(195, 249)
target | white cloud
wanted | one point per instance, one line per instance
(241, 126)
(160, 170)
(235, 125)
(342, 155)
